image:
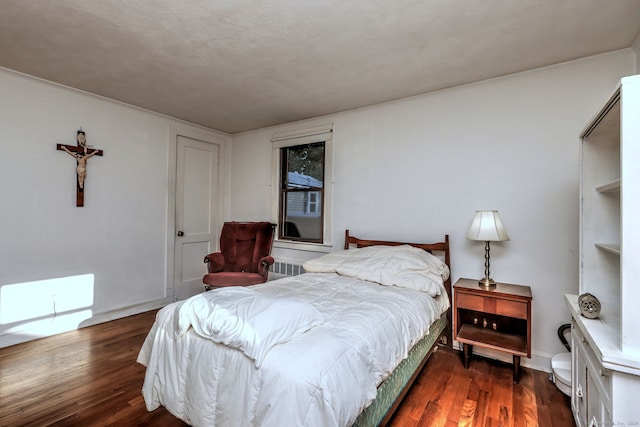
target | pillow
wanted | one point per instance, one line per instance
(329, 262)
(246, 319)
(424, 281)
(415, 258)
(403, 266)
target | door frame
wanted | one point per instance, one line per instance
(220, 139)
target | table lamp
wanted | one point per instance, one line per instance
(487, 226)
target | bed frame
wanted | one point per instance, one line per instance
(393, 389)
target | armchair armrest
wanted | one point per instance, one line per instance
(215, 262)
(264, 265)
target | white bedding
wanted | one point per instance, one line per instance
(404, 266)
(247, 319)
(322, 377)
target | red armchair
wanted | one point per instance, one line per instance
(244, 258)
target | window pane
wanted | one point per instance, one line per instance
(301, 222)
(301, 192)
(305, 166)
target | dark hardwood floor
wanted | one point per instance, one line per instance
(89, 377)
(445, 394)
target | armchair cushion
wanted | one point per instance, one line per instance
(232, 278)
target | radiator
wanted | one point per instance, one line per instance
(281, 269)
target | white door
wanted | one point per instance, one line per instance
(196, 200)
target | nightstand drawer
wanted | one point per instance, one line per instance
(470, 302)
(512, 309)
(492, 305)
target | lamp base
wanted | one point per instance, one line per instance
(487, 283)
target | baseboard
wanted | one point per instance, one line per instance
(126, 311)
(538, 361)
(72, 321)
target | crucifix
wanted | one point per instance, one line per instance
(81, 153)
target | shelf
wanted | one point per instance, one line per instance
(604, 339)
(611, 248)
(613, 187)
(606, 358)
(516, 344)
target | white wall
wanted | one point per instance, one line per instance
(415, 169)
(110, 256)
(636, 49)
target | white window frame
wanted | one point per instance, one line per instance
(300, 137)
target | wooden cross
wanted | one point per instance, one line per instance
(81, 153)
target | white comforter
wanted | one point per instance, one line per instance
(321, 374)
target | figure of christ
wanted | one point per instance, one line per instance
(82, 163)
(82, 139)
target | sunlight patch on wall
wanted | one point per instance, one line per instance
(45, 299)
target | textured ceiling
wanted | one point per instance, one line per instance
(234, 65)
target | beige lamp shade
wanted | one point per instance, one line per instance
(487, 226)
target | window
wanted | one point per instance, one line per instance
(301, 198)
(301, 189)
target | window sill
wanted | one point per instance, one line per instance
(302, 246)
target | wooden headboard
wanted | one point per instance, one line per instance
(441, 248)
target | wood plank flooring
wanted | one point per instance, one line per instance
(89, 377)
(445, 394)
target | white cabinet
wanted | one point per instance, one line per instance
(591, 398)
(606, 351)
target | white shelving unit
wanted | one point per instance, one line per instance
(606, 351)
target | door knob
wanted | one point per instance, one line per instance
(180, 233)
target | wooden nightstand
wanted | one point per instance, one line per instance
(498, 318)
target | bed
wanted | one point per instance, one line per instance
(336, 346)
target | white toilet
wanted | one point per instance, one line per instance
(561, 372)
(561, 363)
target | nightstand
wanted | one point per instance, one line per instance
(497, 318)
